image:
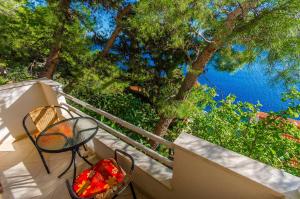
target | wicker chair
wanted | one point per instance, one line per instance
(127, 167)
(41, 118)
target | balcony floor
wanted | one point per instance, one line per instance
(23, 175)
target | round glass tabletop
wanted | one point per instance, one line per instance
(67, 134)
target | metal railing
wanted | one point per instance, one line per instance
(127, 125)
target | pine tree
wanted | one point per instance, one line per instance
(62, 11)
(206, 30)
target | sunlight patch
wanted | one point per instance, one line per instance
(20, 182)
(6, 140)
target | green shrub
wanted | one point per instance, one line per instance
(234, 125)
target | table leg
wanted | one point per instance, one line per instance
(74, 171)
(72, 161)
(74, 151)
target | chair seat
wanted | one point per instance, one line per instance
(102, 177)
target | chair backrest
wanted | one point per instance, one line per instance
(126, 163)
(124, 160)
(44, 116)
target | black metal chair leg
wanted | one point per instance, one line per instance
(70, 189)
(132, 190)
(84, 158)
(72, 160)
(44, 162)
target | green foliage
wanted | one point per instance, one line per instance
(126, 107)
(159, 89)
(26, 37)
(104, 78)
(234, 125)
(293, 98)
(196, 101)
(172, 18)
(271, 29)
(18, 74)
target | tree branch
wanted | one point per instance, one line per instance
(219, 39)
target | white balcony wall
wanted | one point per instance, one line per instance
(205, 170)
(16, 100)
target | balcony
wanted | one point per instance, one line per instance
(199, 169)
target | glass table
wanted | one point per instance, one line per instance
(68, 135)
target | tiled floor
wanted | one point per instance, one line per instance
(23, 176)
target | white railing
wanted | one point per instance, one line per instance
(124, 124)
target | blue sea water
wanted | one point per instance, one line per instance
(249, 84)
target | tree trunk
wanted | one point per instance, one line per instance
(161, 127)
(196, 69)
(52, 62)
(219, 39)
(202, 59)
(111, 41)
(187, 84)
(53, 57)
(121, 14)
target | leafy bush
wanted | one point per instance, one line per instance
(234, 125)
(16, 74)
(126, 107)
